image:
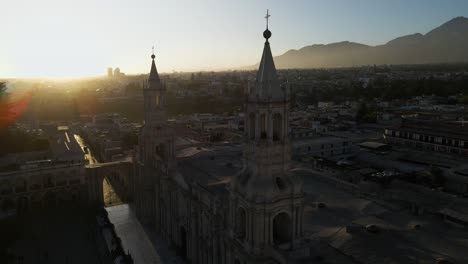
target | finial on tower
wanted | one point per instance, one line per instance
(152, 56)
(267, 32)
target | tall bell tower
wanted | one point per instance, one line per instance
(266, 199)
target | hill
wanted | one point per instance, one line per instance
(447, 43)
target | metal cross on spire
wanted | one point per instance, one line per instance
(266, 17)
(152, 55)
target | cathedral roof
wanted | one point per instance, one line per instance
(210, 166)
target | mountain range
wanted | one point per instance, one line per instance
(447, 43)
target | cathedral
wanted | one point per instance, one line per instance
(223, 203)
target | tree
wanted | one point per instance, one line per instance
(366, 114)
(2, 90)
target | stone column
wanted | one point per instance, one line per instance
(270, 229)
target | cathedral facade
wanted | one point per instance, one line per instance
(223, 203)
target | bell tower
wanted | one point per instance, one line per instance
(266, 199)
(157, 136)
(156, 148)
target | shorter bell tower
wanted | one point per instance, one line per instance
(156, 148)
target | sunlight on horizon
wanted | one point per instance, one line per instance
(54, 38)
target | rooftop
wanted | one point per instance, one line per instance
(396, 242)
(435, 128)
(210, 166)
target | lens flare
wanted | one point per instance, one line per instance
(11, 108)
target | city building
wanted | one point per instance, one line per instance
(430, 135)
(42, 183)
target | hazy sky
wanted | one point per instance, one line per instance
(64, 38)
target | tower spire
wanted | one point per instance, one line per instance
(153, 76)
(267, 86)
(266, 17)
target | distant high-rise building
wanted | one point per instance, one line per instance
(117, 72)
(109, 72)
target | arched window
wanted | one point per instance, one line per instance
(263, 126)
(252, 126)
(241, 223)
(281, 228)
(277, 127)
(158, 100)
(161, 151)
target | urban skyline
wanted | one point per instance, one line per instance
(80, 39)
(343, 153)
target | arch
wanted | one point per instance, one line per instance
(183, 242)
(252, 126)
(277, 127)
(112, 189)
(5, 187)
(114, 175)
(20, 185)
(263, 126)
(158, 100)
(241, 223)
(281, 228)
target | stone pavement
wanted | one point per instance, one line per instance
(134, 239)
